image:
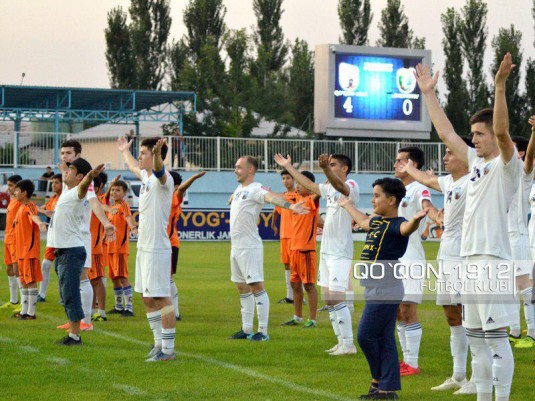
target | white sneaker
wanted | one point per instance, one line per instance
(330, 350)
(468, 388)
(345, 349)
(450, 384)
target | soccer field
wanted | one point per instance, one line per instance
(292, 366)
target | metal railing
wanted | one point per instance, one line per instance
(29, 149)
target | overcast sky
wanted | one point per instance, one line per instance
(61, 42)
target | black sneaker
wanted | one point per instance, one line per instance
(240, 335)
(40, 299)
(68, 341)
(20, 316)
(127, 313)
(115, 312)
(30, 317)
(286, 301)
(380, 396)
(178, 318)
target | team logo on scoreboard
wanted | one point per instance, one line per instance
(406, 80)
(348, 76)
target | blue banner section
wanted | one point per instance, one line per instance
(213, 225)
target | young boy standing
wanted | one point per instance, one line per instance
(28, 248)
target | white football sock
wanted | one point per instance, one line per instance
(334, 322)
(481, 364)
(529, 310)
(402, 339)
(24, 301)
(247, 312)
(289, 291)
(413, 334)
(168, 341)
(262, 310)
(350, 298)
(174, 297)
(127, 292)
(86, 292)
(32, 300)
(155, 323)
(45, 268)
(503, 364)
(13, 289)
(459, 351)
(343, 315)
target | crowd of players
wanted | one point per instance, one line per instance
(485, 216)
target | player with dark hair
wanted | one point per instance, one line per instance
(285, 232)
(386, 242)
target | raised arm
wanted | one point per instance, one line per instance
(132, 224)
(41, 224)
(276, 200)
(337, 183)
(430, 181)
(274, 222)
(408, 227)
(501, 114)
(362, 219)
(186, 184)
(124, 147)
(158, 161)
(530, 151)
(286, 162)
(445, 130)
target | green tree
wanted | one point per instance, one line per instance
(204, 20)
(473, 42)
(301, 85)
(355, 19)
(178, 59)
(457, 98)
(530, 78)
(509, 40)
(119, 58)
(394, 28)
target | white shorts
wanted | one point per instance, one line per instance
(520, 249)
(334, 273)
(87, 246)
(412, 283)
(153, 273)
(488, 291)
(449, 284)
(247, 265)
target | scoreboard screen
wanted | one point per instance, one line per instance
(376, 88)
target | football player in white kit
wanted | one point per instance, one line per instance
(494, 177)
(336, 251)
(247, 251)
(417, 198)
(153, 258)
(453, 186)
(518, 236)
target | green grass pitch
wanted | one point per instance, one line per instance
(292, 366)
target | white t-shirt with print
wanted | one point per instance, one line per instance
(245, 209)
(517, 216)
(64, 228)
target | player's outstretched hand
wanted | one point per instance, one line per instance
(109, 230)
(324, 159)
(440, 218)
(405, 167)
(506, 66)
(43, 226)
(200, 174)
(157, 149)
(283, 161)
(134, 231)
(123, 144)
(96, 171)
(430, 172)
(531, 122)
(116, 178)
(426, 82)
(345, 202)
(299, 208)
(421, 214)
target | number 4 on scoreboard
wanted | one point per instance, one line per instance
(348, 106)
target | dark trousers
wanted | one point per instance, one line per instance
(69, 265)
(376, 337)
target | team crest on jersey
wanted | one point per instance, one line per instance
(86, 202)
(476, 174)
(405, 201)
(457, 193)
(486, 170)
(449, 196)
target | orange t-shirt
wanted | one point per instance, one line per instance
(305, 225)
(52, 202)
(104, 201)
(172, 229)
(286, 230)
(97, 235)
(122, 240)
(28, 240)
(12, 208)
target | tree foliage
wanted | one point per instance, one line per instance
(301, 85)
(394, 28)
(205, 24)
(355, 19)
(121, 71)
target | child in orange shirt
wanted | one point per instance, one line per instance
(118, 250)
(28, 248)
(48, 210)
(10, 259)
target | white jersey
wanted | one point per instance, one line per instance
(408, 207)
(154, 209)
(64, 229)
(454, 204)
(245, 209)
(337, 239)
(517, 216)
(490, 191)
(531, 225)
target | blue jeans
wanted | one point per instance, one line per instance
(69, 265)
(376, 336)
